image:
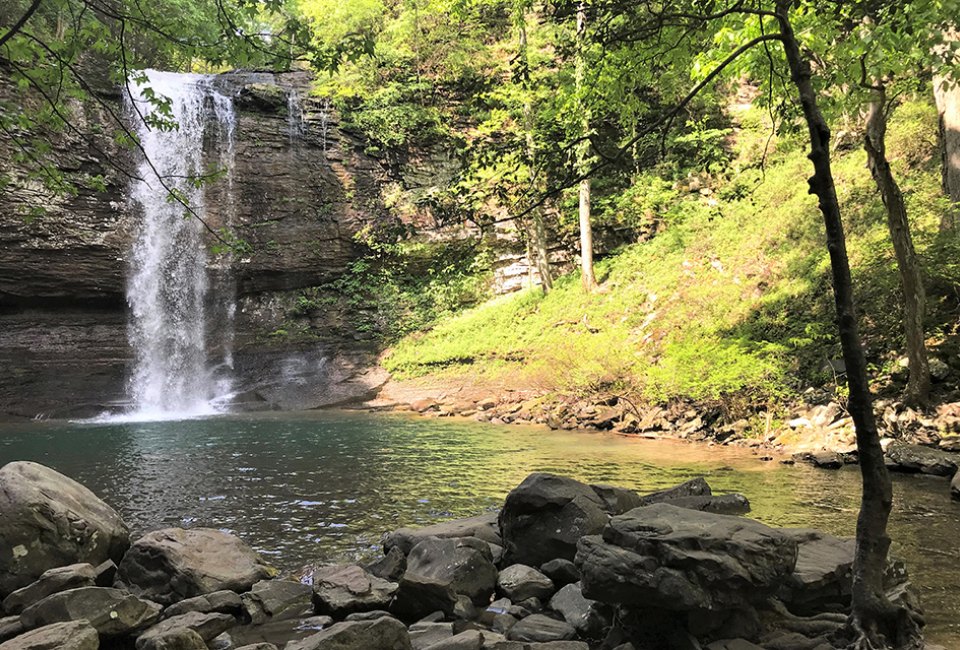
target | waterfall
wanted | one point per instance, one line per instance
(181, 300)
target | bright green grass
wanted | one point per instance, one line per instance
(732, 298)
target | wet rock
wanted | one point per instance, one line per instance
(391, 566)
(177, 639)
(464, 564)
(822, 576)
(678, 559)
(483, 527)
(576, 610)
(223, 601)
(724, 504)
(173, 564)
(561, 572)
(70, 635)
(418, 596)
(902, 457)
(826, 460)
(277, 599)
(617, 500)
(207, 626)
(111, 611)
(50, 582)
(693, 488)
(382, 634)
(519, 582)
(50, 521)
(343, 589)
(539, 628)
(545, 515)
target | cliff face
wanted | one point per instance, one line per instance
(301, 190)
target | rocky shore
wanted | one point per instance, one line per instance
(820, 434)
(563, 566)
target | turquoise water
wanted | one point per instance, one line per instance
(317, 486)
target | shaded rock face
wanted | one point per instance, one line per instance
(172, 564)
(72, 635)
(47, 521)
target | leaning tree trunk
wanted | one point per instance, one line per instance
(911, 278)
(583, 150)
(874, 621)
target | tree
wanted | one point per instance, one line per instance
(946, 92)
(583, 155)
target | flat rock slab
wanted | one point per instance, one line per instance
(111, 611)
(277, 599)
(223, 601)
(544, 517)
(902, 457)
(70, 635)
(538, 627)
(485, 527)
(51, 521)
(347, 588)
(173, 564)
(51, 582)
(668, 557)
(379, 634)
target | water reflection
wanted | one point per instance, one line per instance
(317, 486)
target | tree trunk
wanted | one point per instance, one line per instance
(874, 621)
(583, 151)
(946, 92)
(537, 254)
(911, 278)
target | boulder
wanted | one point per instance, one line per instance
(379, 634)
(391, 566)
(561, 572)
(693, 488)
(69, 635)
(180, 638)
(519, 582)
(423, 634)
(576, 610)
(111, 611)
(207, 626)
(277, 599)
(483, 527)
(223, 601)
(902, 457)
(545, 515)
(276, 632)
(464, 564)
(825, 459)
(10, 626)
(679, 559)
(173, 564)
(724, 504)
(617, 500)
(49, 521)
(540, 628)
(346, 588)
(822, 576)
(418, 596)
(466, 640)
(50, 582)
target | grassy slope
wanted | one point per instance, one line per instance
(730, 300)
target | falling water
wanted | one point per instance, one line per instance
(181, 308)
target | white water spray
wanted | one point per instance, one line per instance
(181, 310)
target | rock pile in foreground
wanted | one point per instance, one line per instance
(564, 566)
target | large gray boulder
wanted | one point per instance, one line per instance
(519, 582)
(485, 527)
(48, 520)
(902, 457)
(540, 628)
(207, 626)
(111, 611)
(678, 559)
(380, 634)
(51, 582)
(464, 564)
(576, 610)
(418, 596)
(347, 588)
(277, 599)
(823, 576)
(544, 517)
(70, 635)
(617, 500)
(173, 564)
